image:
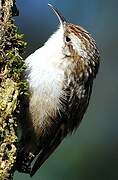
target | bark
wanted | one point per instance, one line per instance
(12, 88)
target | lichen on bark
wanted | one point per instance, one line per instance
(12, 88)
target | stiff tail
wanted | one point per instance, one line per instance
(47, 151)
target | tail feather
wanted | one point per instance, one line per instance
(46, 152)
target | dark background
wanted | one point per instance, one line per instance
(92, 152)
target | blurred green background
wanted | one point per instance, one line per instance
(92, 152)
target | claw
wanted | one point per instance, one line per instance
(24, 165)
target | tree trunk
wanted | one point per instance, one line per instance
(12, 88)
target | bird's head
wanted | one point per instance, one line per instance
(77, 44)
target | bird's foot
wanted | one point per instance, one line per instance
(24, 165)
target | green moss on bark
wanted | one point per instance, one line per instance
(12, 89)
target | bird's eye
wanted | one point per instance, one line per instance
(67, 39)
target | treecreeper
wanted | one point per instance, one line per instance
(60, 76)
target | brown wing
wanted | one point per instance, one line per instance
(78, 96)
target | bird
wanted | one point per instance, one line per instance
(60, 75)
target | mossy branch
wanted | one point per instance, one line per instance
(12, 88)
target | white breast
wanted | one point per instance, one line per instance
(46, 78)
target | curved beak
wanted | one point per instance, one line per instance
(61, 18)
